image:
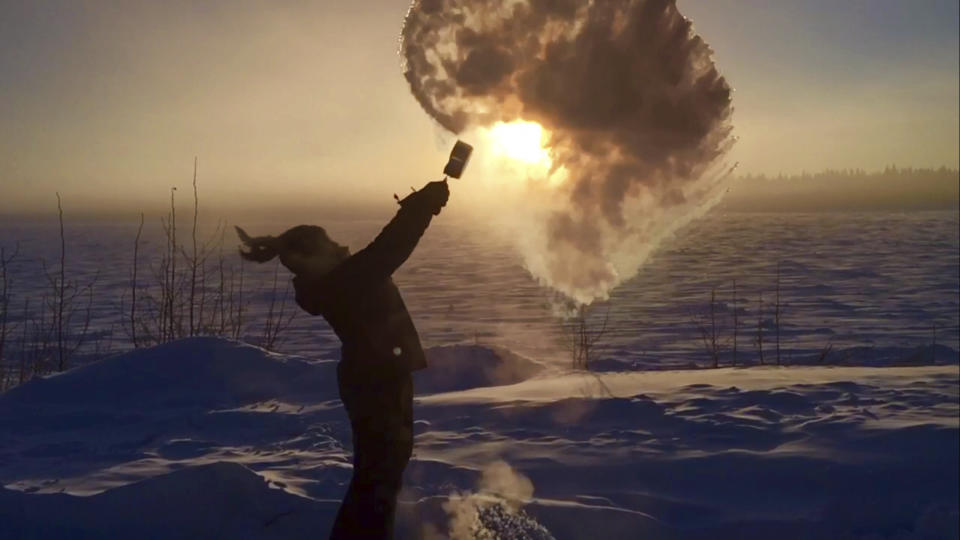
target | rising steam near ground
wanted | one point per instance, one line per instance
(493, 511)
(635, 120)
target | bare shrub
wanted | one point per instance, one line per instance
(193, 291)
(736, 323)
(5, 327)
(64, 304)
(584, 336)
(709, 327)
(759, 339)
(825, 353)
(277, 319)
(776, 312)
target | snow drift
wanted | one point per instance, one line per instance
(210, 438)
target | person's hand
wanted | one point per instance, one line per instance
(437, 194)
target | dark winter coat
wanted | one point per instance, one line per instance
(362, 304)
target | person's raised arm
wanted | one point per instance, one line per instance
(397, 240)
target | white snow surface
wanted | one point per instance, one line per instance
(209, 438)
(874, 288)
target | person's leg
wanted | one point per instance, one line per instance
(362, 515)
(401, 443)
(382, 421)
(347, 516)
(347, 519)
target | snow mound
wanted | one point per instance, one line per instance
(235, 503)
(197, 372)
(461, 367)
(206, 373)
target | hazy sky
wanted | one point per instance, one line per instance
(304, 102)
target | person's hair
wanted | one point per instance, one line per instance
(300, 240)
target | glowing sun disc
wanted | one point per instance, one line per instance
(522, 141)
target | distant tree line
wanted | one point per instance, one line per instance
(892, 189)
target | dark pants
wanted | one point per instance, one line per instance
(381, 417)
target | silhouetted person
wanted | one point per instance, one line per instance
(356, 295)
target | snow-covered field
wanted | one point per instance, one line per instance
(208, 438)
(874, 287)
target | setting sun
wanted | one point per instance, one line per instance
(522, 141)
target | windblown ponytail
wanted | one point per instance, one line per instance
(261, 248)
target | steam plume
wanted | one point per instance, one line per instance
(494, 510)
(636, 111)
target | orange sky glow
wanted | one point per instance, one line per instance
(304, 103)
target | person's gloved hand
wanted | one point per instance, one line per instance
(433, 196)
(438, 194)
